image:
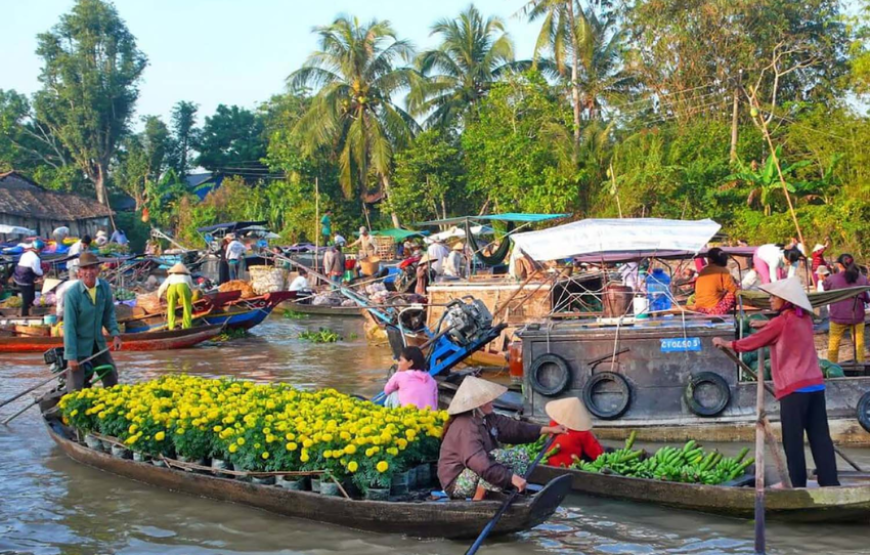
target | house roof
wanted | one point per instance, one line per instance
(19, 196)
(197, 179)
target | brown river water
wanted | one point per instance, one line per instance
(52, 505)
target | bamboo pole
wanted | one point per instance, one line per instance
(759, 463)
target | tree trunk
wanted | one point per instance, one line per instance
(734, 126)
(386, 181)
(575, 75)
(99, 179)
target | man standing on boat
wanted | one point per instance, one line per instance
(178, 288)
(27, 271)
(88, 308)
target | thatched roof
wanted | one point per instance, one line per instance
(19, 196)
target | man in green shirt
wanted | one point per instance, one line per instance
(88, 308)
(326, 227)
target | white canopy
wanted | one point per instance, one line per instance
(16, 230)
(456, 231)
(615, 235)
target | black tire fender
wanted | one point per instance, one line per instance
(718, 383)
(623, 388)
(563, 375)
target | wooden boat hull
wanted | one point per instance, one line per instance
(155, 341)
(847, 503)
(324, 310)
(242, 314)
(453, 519)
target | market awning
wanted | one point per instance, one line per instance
(230, 226)
(397, 234)
(760, 299)
(507, 217)
(636, 235)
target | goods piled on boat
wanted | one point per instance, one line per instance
(260, 428)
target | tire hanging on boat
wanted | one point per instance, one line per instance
(559, 381)
(719, 385)
(864, 411)
(622, 388)
(500, 253)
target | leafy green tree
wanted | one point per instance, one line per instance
(518, 155)
(232, 142)
(142, 159)
(764, 183)
(429, 179)
(90, 75)
(602, 77)
(184, 136)
(355, 77)
(472, 53)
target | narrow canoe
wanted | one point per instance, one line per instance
(446, 519)
(154, 341)
(323, 310)
(849, 502)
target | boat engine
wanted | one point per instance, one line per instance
(467, 321)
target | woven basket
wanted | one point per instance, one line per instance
(370, 266)
(266, 279)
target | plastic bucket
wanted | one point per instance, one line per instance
(641, 307)
(49, 319)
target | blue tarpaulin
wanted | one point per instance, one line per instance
(507, 217)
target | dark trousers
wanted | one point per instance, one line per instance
(28, 294)
(77, 380)
(801, 412)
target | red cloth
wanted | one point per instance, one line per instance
(582, 444)
(794, 363)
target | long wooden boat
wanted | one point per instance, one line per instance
(239, 314)
(447, 519)
(323, 310)
(849, 502)
(153, 341)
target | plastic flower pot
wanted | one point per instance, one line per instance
(94, 443)
(424, 475)
(221, 464)
(159, 463)
(264, 481)
(399, 483)
(141, 457)
(292, 483)
(377, 494)
(329, 488)
(315, 485)
(121, 452)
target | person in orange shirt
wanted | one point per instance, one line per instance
(715, 289)
(579, 443)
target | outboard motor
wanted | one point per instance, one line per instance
(467, 321)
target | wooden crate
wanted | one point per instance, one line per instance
(385, 247)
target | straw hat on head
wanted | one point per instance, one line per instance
(789, 290)
(474, 393)
(179, 268)
(88, 259)
(570, 413)
(460, 246)
(49, 285)
(818, 247)
(424, 259)
(823, 271)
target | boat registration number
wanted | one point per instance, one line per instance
(681, 344)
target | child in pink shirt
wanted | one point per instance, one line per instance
(415, 385)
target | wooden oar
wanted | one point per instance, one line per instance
(513, 496)
(769, 389)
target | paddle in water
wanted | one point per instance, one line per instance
(513, 496)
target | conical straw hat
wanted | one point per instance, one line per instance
(49, 284)
(179, 268)
(570, 413)
(790, 290)
(474, 393)
(460, 246)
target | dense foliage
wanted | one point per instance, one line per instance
(645, 108)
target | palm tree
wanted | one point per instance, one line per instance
(559, 35)
(355, 76)
(472, 53)
(602, 78)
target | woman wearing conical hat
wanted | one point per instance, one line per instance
(471, 453)
(178, 287)
(797, 380)
(579, 443)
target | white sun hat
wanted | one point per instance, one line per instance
(474, 393)
(571, 413)
(790, 290)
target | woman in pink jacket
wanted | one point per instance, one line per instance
(798, 382)
(414, 385)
